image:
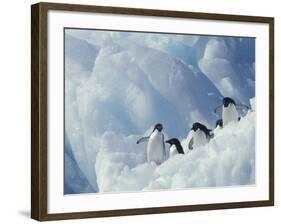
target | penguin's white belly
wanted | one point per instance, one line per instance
(229, 114)
(199, 138)
(155, 147)
(173, 151)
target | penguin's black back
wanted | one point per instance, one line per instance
(201, 127)
(179, 147)
(177, 143)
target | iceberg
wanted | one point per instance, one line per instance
(118, 84)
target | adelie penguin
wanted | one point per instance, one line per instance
(229, 111)
(155, 146)
(175, 147)
(200, 135)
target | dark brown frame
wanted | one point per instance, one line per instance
(39, 106)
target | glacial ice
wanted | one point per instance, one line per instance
(117, 85)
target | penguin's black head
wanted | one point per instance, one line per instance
(173, 141)
(201, 127)
(197, 126)
(158, 127)
(176, 142)
(227, 100)
(219, 123)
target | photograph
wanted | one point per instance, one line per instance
(152, 111)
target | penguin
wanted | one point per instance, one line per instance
(219, 123)
(200, 135)
(155, 147)
(175, 147)
(229, 111)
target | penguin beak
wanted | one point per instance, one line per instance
(167, 141)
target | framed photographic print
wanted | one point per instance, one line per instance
(139, 111)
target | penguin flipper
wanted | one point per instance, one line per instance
(190, 144)
(180, 150)
(143, 139)
(217, 110)
(242, 107)
(164, 149)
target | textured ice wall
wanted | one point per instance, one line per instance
(123, 83)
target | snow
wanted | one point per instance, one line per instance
(120, 84)
(228, 159)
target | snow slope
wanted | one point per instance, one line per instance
(121, 83)
(228, 159)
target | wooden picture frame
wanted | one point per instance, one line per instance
(39, 110)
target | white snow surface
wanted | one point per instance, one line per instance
(228, 159)
(119, 84)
